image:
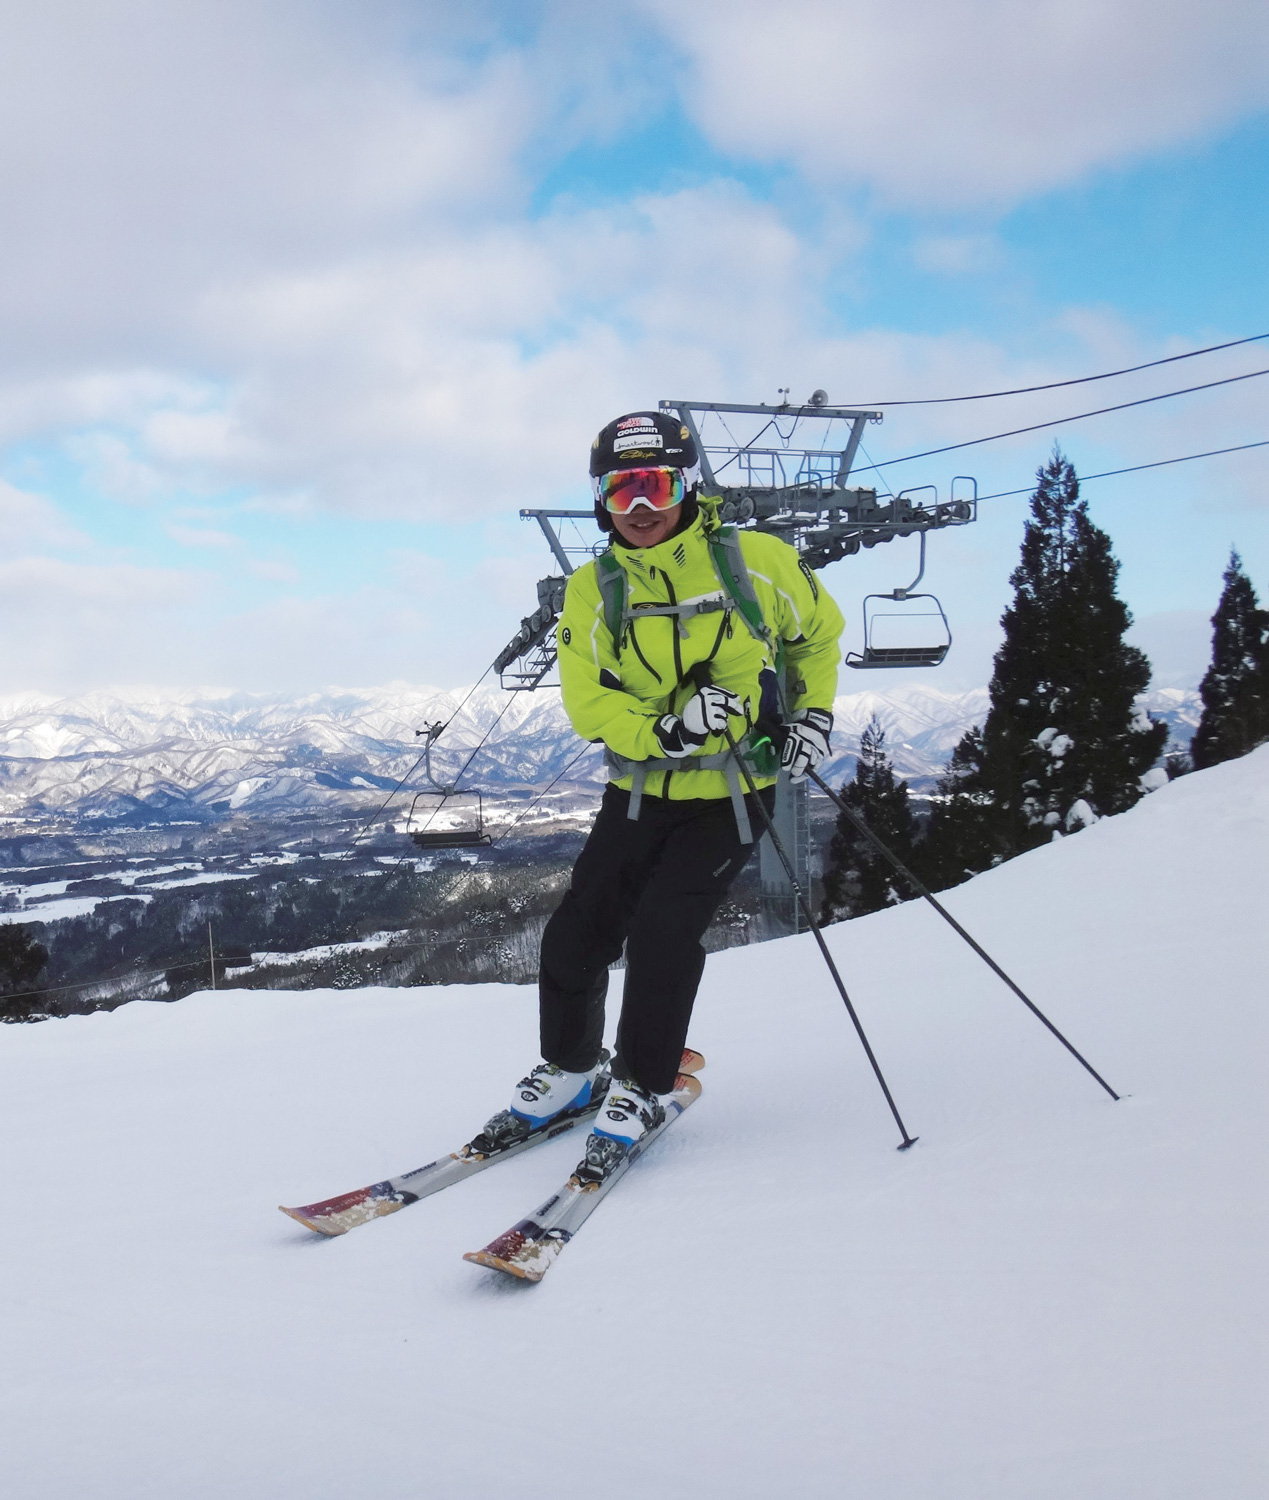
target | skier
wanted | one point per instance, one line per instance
(681, 633)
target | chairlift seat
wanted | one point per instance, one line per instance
(470, 834)
(897, 656)
(452, 838)
(928, 654)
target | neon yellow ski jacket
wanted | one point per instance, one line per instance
(617, 696)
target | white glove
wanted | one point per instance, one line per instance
(705, 713)
(806, 743)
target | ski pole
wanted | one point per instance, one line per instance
(908, 1140)
(921, 890)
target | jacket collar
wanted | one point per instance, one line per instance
(668, 556)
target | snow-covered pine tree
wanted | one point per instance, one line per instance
(857, 879)
(1235, 688)
(1065, 741)
(961, 837)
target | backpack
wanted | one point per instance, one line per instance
(733, 574)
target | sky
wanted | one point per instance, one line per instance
(300, 303)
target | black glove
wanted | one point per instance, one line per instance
(705, 713)
(806, 741)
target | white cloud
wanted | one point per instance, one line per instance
(30, 522)
(273, 572)
(467, 373)
(66, 626)
(976, 102)
(958, 254)
(285, 250)
(202, 537)
(156, 148)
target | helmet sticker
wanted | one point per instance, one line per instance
(638, 440)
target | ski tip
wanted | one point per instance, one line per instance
(687, 1089)
(508, 1267)
(691, 1062)
(329, 1229)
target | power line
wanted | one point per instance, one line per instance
(1058, 421)
(1026, 390)
(89, 984)
(1161, 463)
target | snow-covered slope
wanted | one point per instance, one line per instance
(1051, 1296)
(109, 753)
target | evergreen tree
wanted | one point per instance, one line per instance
(1235, 688)
(21, 960)
(858, 879)
(963, 835)
(1064, 742)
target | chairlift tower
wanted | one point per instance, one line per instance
(783, 469)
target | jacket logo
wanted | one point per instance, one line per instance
(566, 635)
(810, 578)
(680, 555)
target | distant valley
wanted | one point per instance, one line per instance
(200, 757)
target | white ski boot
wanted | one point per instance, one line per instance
(625, 1117)
(628, 1113)
(549, 1091)
(546, 1094)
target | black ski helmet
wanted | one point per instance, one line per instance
(646, 440)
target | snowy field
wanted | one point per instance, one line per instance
(1051, 1297)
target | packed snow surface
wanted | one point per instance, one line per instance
(1051, 1296)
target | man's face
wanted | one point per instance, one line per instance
(642, 527)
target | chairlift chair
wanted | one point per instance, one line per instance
(469, 833)
(926, 654)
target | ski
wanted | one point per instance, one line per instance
(335, 1216)
(530, 1248)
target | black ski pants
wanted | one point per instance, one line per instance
(653, 885)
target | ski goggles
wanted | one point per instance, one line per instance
(623, 489)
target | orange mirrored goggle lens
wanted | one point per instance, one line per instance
(623, 489)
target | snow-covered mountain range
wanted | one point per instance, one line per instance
(203, 754)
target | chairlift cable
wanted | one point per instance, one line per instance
(526, 811)
(1161, 463)
(868, 456)
(1076, 417)
(1054, 385)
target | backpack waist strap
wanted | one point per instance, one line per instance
(722, 760)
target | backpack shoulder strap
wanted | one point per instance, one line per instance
(729, 564)
(611, 577)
